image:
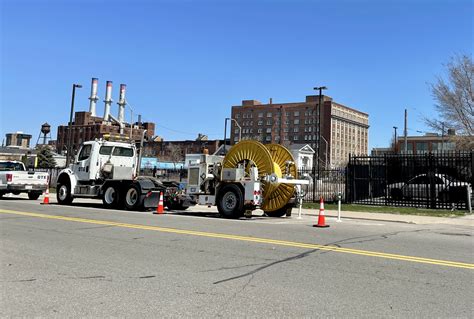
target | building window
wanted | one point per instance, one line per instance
(269, 130)
(296, 113)
(269, 114)
(268, 138)
(259, 130)
(236, 139)
(260, 114)
(237, 116)
(285, 137)
(260, 122)
(236, 131)
(296, 121)
(286, 130)
(295, 130)
(269, 122)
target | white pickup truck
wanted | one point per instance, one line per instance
(14, 178)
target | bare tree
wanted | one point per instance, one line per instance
(175, 154)
(455, 101)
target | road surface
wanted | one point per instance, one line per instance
(83, 260)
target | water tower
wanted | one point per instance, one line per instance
(45, 133)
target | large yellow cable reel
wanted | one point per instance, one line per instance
(281, 195)
(269, 159)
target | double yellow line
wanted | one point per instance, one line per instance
(446, 263)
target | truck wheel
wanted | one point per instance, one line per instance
(230, 202)
(63, 194)
(133, 198)
(34, 195)
(111, 197)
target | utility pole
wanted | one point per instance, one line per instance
(69, 133)
(395, 140)
(405, 132)
(318, 133)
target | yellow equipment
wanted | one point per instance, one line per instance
(270, 160)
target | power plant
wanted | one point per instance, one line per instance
(87, 125)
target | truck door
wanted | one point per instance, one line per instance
(82, 165)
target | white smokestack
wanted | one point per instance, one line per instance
(93, 98)
(108, 100)
(121, 103)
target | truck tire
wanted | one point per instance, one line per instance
(63, 194)
(230, 202)
(134, 198)
(34, 195)
(111, 196)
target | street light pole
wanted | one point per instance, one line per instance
(69, 133)
(318, 133)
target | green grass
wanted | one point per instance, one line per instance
(390, 210)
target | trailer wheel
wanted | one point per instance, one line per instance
(34, 195)
(230, 202)
(134, 198)
(111, 197)
(63, 194)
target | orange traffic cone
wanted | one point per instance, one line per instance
(321, 218)
(46, 197)
(160, 208)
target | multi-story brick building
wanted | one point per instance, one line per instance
(344, 130)
(86, 127)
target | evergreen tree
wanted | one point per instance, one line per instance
(45, 157)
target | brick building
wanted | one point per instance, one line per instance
(86, 127)
(176, 150)
(18, 139)
(344, 130)
(428, 143)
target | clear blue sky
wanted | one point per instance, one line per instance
(187, 62)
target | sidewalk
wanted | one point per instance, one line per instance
(467, 220)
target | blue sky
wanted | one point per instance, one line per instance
(186, 63)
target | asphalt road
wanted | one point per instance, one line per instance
(82, 260)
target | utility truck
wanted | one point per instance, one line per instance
(108, 169)
(250, 176)
(15, 179)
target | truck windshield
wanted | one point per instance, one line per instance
(10, 166)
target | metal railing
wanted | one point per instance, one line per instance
(433, 180)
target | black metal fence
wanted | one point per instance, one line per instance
(327, 184)
(433, 180)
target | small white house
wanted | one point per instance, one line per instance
(303, 154)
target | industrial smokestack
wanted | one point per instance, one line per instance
(108, 100)
(121, 103)
(139, 120)
(93, 98)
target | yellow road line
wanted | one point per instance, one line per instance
(248, 239)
